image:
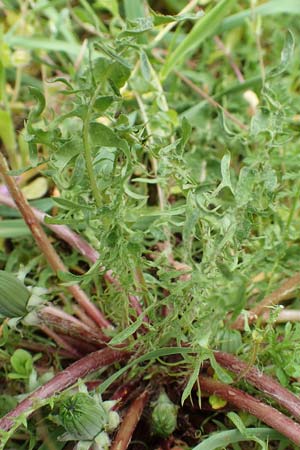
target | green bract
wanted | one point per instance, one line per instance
(82, 417)
(14, 296)
(164, 416)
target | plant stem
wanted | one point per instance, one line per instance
(88, 150)
(75, 241)
(262, 382)
(63, 380)
(69, 325)
(231, 61)
(246, 402)
(129, 423)
(44, 244)
(286, 315)
(60, 341)
(282, 293)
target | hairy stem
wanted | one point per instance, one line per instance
(69, 325)
(130, 421)
(264, 383)
(63, 380)
(60, 341)
(246, 402)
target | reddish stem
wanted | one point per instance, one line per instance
(69, 325)
(262, 382)
(228, 55)
(60, 341)
(44, 244)
(282, 293)
(246, 402)
(130, 421)
(82, 346)
(63, 380)
(45, 349)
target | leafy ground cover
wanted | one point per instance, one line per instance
(149, 252)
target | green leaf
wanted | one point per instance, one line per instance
(67, 152)
(41, 103)
(225, 171)
(146, 68)
(244, 187)
(286, 56)
(68, 204)
(236, 420)
(103, 102)
(192, 380)
(69, 278)
(161, 19)
(224, 439)
(105, 160)
(42, 43)
(220, 372)
(129, 331)
(137, 26)
(116, 70)
(134, 195)
(103, 136)
(22, 363)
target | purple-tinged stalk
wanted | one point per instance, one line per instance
(245, 402)
(264, 383)
(129, 423)
(60, 341)
(67, 377)
(69, 325)
(44, 244)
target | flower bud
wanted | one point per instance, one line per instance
(82, 417)
(164, 416)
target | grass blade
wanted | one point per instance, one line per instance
(224, 438)
(164, 351)
(270, 8)
(203, 28)
(42, 43)
(134, 9)
(10, 229)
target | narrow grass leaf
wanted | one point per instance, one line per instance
(192, 380)
(40, 43)
(204, 28)
(10, 229)
(134, 9)
(225, 438)
(266, 9)
(165, 351)
(129, 331)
